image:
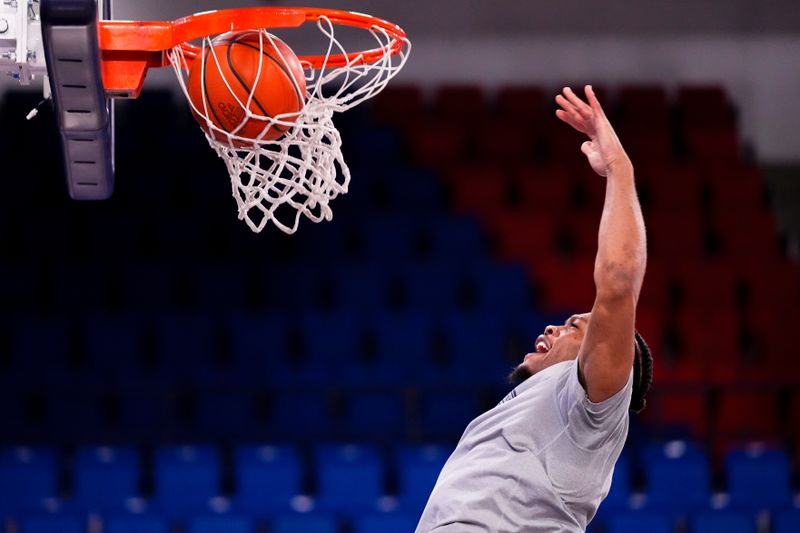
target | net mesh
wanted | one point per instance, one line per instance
(300, 173)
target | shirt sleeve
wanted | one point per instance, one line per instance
(589, 424)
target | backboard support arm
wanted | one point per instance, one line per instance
(83, 112)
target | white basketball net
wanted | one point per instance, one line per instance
(301, 172)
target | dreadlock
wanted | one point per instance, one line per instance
(642, 373)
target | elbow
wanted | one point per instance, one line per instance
(616, 280)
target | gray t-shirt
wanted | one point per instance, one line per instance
(541, 460)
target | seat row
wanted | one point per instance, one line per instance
(262, 480)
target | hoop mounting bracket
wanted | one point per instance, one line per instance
(84, 114)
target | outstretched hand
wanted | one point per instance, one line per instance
(603, 149)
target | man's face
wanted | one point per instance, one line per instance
(555, 345)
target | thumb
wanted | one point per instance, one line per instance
(587, 148)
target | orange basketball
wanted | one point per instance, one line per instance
(229, 70)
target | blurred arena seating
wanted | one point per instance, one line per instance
(148, 343)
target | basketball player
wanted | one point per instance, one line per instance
(542, 459)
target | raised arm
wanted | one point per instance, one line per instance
(606, 356)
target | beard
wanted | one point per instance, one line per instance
(519, 374)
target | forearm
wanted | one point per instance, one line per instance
(622, 248)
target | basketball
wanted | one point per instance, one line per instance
(250, 70)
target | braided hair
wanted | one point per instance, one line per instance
(642, 373)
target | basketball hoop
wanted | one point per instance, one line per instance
(300, 172)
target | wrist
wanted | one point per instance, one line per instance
(619, 168)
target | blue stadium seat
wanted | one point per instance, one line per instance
(145, 412)
(502, 287)
(410, 187)
(384, 523)
(225, 413)
(638, 522)
(302, 414)
(218, 287)
(430, 286)
(14, 410)
(258, 343)
(457, 238)
(476, 344)
(186, 478)
(27, 477)
(377, 144)
(113, 347)
(50, 523)
(677, 475)
(446, 413)
(74, 413)
(361, 286)
(727, 521)
(389, 237)
(332, 340)
(149, 286)
(135, 523)
(350, 477)
(418, 468)
(403, 342)
(20, 294)
(39, 348)
(299, 523)
(220, 523)
(81, 286)
(759, 478)
(787, 521)
(267, 478)
(104, 477)
(376, 414)
(296, 287)
(620, 490)
(185, 344)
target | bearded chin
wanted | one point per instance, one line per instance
(519, 374)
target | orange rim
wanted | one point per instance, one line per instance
(129, 48)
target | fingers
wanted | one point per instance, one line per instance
(579, 104)
(568, 108)
(593, 101)
(576, 123)
(566, 117)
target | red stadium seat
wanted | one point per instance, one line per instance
(399, 104)
(522, 104)
(563, 143)
(655, 290)
(747, 413)
(793, 422)
(480, 194)
(734, 186)
(712, 143)
(771, 285)
(645, 105)
(709, 334)
(438, 144)
(774, 350)
(675, 236)
(748, 234)
(505, 141)
(706, 285)
(685, 371)
(704, 105)
(683, 408)
(647, 144)
(545, 188)
(523, 235)
(670, 187)
(461, 103)
(580, 228)
(563, 285)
